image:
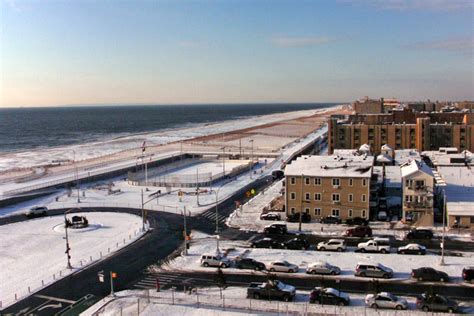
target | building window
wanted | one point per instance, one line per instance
(335, 197)
(335, 182)
(363, 198)
(292, 196)
(364, 182)
(293, 210)
(351, 198)
(306, 210)
(472, 219)
(292, 180)
(350, 181)
(307, 197)
(317, 211)
(306, 181)
(317, 181)
(335, 212)
(349, 213)
(364, 213)
(317, 196)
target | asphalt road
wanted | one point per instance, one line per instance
(129, 263)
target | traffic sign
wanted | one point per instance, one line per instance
(100, 274)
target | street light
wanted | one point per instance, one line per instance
(216, 192)
(251, 163)
(223, 161)
(185, 231)
(444, 228)
(143, 208)
(67, 240)
(76, 175)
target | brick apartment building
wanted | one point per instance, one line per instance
(403, 129)
(329, 185)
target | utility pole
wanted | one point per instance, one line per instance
(185, 234)
(301, 211)
(76, 173)
(223, 161)
(444, 228)
(251, 156)
(197, 186)
(143, 213)
(67, 242)
(112, 274)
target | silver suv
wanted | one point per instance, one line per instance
(373, 270)
(216, 260)
(37, 211)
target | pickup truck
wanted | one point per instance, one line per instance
(375, 245)
(271, 290)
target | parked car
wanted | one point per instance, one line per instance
(436, 303)
(248, 263)
(468, 274)
(295, 218)
(282, 266)
(323, 268)
(385, 300)
(214, 260)
(357, 221)
(429, 274)
(270, 217)
(359, 231)
(382, 216)
(332, 244)
(37, 211)
(331, 220)
(412, 249)
(271, 290)
(278, 174)
(381, 245)
(296, 244)
(265, 243)
(328, 296)
(275, 229)
(420, 234)
(373, 270)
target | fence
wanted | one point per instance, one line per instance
(78, 265)
(85, 204)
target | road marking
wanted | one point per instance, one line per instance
(59, 305)
(57, 299)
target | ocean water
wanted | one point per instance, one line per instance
(26, 129)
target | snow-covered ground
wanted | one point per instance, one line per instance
(207, 301)
(401, 264)
(247, 218)
(126, 142)
(25, 244)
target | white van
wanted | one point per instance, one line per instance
(214, 260)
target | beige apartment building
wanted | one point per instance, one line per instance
(329, 185)
(403, 129)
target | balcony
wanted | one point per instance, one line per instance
(418, 205)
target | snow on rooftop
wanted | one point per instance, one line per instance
(460, 208)
(331, 166)
(459, 183)
(415, 166)
(405, 155)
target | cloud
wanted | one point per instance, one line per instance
(300, 41)
(456, 45)
(406, 5)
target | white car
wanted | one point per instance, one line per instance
(216, 260)
(385, 300)
(282, 266)
(332, 244)
(323, 268)
(37, 211)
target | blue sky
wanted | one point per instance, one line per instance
(165, 52)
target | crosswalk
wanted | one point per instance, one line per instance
(211, 216)
(165, 279)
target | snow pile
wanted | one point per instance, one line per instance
(26, 244)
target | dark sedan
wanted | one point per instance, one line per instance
(328, 296)
(248, 263)
(331, 220)
(357, 221)
(429, 274)
(296, 244)
(270, 217)
(412, 249)
(265, 243)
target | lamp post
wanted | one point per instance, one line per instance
(216, 192)
(251, 157)
(223, 161)
(185, 232)
(143, 208)
(444, 228)
(76, 175)
(68, 255)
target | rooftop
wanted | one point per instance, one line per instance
(331, 166)
(415, 166)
